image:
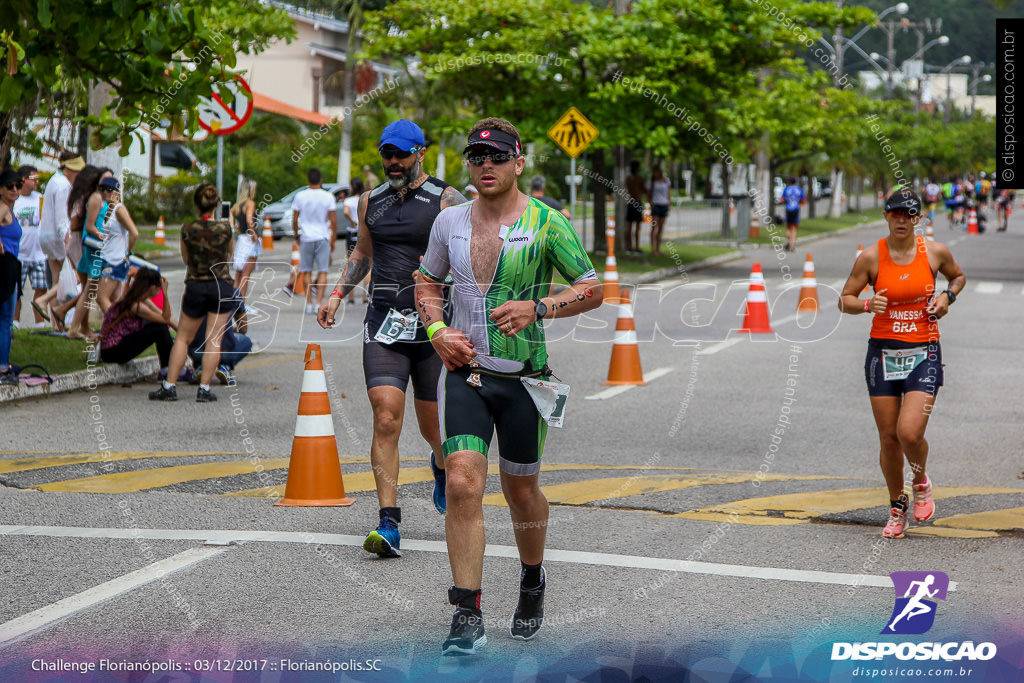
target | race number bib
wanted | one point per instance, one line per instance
(398, 327)
(549, 397)
(899, 363)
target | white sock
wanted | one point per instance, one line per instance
(168, 385)
(204, 387)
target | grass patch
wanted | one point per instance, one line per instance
(57, 354)
(817, 226)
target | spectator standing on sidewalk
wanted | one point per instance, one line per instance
(315, 224)
(54, 226)
(248, 246)
(206, 246)
(121, 235)
(659, 195)
(10, 269)
(634, 208)
(30, 253)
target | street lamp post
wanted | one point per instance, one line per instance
(948, 69)
(973, 87)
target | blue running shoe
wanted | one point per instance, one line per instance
(384, 540)
(440, 504)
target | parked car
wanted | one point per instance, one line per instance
(280, 212)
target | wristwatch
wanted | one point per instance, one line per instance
(540, 308)
(952, 297)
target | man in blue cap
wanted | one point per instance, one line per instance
(394, 227)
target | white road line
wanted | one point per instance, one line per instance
(572, 556)
(50, 615)
(956, 241)
(989, 287)
(615, 391)
(715, 348)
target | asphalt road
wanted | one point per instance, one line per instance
(684, 539)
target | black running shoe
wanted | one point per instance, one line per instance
(466, 634)
(529, 614)
(164, 394)
(205, 396)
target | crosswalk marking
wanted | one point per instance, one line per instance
(613, 488)
(615, 391)
(139, 480)
(609, 492)
(25, 464)
(1002, 520)
(799, 508)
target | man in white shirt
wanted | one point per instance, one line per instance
(315, 224)
(55, 223)
(33, 260)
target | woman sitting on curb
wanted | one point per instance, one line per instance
(132, 324)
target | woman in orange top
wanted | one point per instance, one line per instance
(904, 361)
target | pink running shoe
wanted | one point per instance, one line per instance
(924, 508)
(898, 522)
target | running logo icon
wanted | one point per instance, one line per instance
(914, 611)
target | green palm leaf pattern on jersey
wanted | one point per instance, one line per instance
(524, 273)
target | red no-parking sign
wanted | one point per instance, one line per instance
(228, 108)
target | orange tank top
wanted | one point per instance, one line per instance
(910, 288)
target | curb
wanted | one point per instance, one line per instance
(114, 373)
(666, 273)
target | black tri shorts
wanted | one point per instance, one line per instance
(470, 414)
(394, 364)
(926, 375)
(209, 296)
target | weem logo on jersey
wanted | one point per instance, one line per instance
(916, 592)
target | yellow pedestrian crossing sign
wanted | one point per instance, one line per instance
(573, 132)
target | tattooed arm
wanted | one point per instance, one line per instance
(356, 268)
(451, 197)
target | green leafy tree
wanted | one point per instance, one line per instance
(143, 57)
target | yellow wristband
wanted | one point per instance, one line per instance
(434, 327)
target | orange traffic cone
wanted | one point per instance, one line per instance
(972, 223)
(611, 271)
(929, 234)
(881, 196)
(314, 472)
(624, 367)
(756, 318)
(160, 238)
(755, 226)
(809, 289)
(732, 206)
(647, 213)
(268, 235)
(300, 281)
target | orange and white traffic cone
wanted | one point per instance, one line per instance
(314, 472)
(755, 226)
(972, 223)
(624, 367)
(732, 206)
(160, 238)
(755, 320)
(929, 234)
(611, 270)
(299, 283)
(860, 250)
(268, 235)
(809, 289)
(881, 196)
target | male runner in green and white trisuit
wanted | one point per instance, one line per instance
(501, 250)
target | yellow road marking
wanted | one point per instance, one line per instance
(126, 482)
(797, 508)
(421, 474)
(24, 464)
(941, 532)
(590, 490)
(1004, 520)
